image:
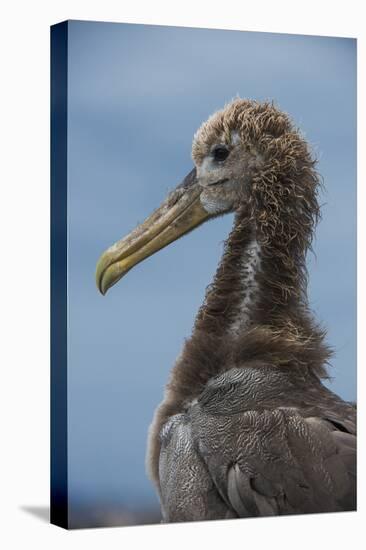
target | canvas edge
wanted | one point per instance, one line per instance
(59, 454)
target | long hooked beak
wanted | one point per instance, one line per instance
(181, 212)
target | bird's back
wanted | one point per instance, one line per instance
(259, 441)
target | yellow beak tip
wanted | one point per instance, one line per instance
(101, 286)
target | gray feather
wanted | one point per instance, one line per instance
(239, 452)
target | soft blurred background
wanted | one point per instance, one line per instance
(137, 94)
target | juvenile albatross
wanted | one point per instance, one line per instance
(246, 427)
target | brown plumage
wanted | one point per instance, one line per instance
(246, 427)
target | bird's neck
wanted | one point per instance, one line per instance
(255, 284)
(255, 310)
(231, 299)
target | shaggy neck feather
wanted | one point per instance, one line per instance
(254, 311)
(254, 285)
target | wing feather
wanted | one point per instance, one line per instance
(221, 459)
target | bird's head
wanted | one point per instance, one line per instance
(249, 159)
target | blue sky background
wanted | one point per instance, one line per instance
(137, 94)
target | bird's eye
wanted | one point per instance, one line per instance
(220, 153)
